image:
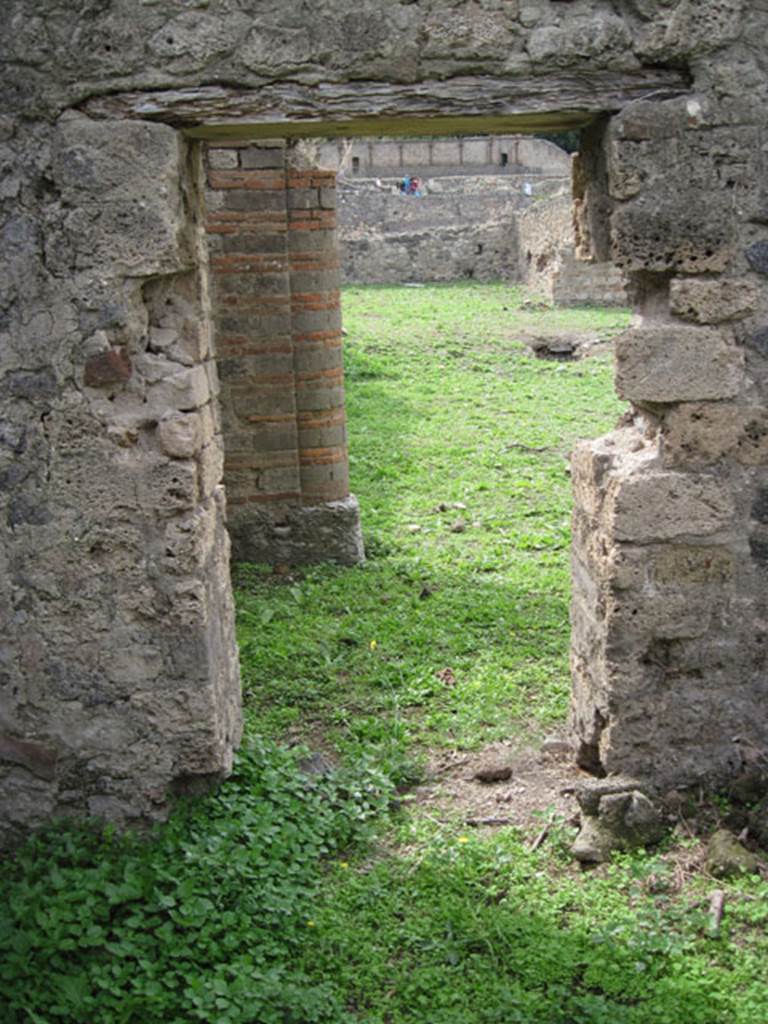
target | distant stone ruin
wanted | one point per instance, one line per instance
(548, 263)
(459, 229)
(462, 225)
(119, 679)
(489, 209)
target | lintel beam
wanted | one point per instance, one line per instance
(479, 104)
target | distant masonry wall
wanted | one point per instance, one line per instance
(462, 228)
(491, 209)
(499, 154)
(548, 262)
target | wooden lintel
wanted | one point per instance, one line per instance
(455, 106)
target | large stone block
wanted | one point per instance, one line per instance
(708, 301)
(123, 182)
(297, 535)
(658, 505)
(675, 363)
(701, 433)
(691, 237)
(680, 565)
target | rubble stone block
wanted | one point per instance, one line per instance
(660, 505)
(694, 237)
(688, 564)
(180, 435)
(675, 363)
(713, 301)
(757, 257)
(105, 369)
(701, 433)
(184, 390)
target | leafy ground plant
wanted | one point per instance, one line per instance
(202, 922)
(298, 894)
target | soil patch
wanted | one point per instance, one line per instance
(539, 787)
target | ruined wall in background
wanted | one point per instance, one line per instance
(548, 264)
(271, 231)
(426, 158)
(461, 228)
(118, 670)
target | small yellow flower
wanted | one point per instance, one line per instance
(343, 864)
(310, 923)
(374, 644)
(463, 839)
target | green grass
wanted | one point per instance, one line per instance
(477, 932)
(293, 899)
(445, 408)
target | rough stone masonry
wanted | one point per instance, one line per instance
(118, 670)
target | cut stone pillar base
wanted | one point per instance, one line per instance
(668, 670)
(282, 534)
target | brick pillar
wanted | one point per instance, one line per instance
(316, 321)
(275, 268)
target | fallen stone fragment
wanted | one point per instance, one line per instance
(727, 858)
(315, 764)
(616, 815)
(716, 907)
(554, 747)
(459, 526)
(493, 773)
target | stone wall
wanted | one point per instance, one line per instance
(548, 264)
(275, 275)
(118, 674)
(669, 646)
(118, 670)
(460, 228)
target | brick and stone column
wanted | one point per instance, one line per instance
(275, 268)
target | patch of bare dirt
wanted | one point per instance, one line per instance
(526, 786)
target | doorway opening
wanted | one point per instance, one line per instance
(365, 665)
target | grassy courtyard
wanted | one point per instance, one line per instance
(326, 883)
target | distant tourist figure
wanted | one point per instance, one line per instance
(410, 186)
